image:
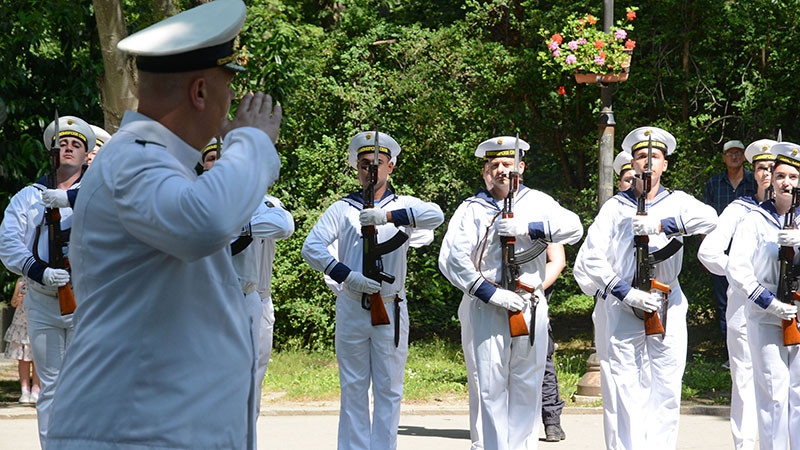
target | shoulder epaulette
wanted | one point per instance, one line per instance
(146, 142)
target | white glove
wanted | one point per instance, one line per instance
(507, 299)
(55, 198)
(646, 301)
(512, 227)
(372, 216)
(356, 281)
(789, 238)
(782, 310)
(55, 277)
(646, 225)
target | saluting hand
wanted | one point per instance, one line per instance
(257, 111)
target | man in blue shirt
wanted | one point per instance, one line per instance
(720, 190)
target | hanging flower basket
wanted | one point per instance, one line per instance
(607, 77)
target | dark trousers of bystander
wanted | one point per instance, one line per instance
(721, 303)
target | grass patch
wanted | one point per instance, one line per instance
(303, 375)
(705, 381)
(570, 366)
(435, 370)
(574, 305)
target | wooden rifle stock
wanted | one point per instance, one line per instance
(786, 292)
(66, 300)
(791, 334)
(652, 323)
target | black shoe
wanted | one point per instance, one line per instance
(554, 433)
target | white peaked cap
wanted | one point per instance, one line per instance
(787, 152)
(70, 126)
(760, 150)
(199, 38)
(638, 138)
(101, 136)
(364, 142)
(622, 162)
(501, 146)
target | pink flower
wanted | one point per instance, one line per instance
(620, 34)
(553, 46)
(599, 60)
(571, 59)
(573, 45)
(581, 41)
(556, 53)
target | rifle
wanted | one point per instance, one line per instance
(645, 262)
(787, 280)
(511, 262)
(371, 259)
(56, 237)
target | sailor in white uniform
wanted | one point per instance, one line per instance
(365, 352)
(24, 251)
(163, 353)
(753, 269)
(645, 409)
(713, 253)
(509, 370)
(622, 167)
(253, 253)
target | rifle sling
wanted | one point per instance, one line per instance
(665, 252)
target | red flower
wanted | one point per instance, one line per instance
(599, 44)
(591, 19)
(631, 15)
(557, 38)
(603, 55)
(630, 45)
(561, 90)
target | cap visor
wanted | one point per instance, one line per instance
(234, 67)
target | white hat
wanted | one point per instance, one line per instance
(70, 126)
(760, 150)
(212, 145)
(622, 162)
(638, 138)
(101, 136)
(502, 146)
(364, 142)
(787, 152)
(732, 144)
(199, 38)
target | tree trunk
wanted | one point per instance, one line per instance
(163, 9)
(118, 84)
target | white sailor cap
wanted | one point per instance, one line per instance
(788, 153)
(364, 142)
(760, 151)
(101, 136)
(638, 138)
(199, 38)
(732, 144)
(622, 162)
(70, 126)
(214, 144)
(501, 146)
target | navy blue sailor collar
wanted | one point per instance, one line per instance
(483, 196)
(630, 197)
(768, 210)
(42, 181)
(357, 198)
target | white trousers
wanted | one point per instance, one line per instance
(50, 333)
(647, 398)
(510, 373)
(475, 432)
(253, 302)
(776, 369)
(264, 349)
(744, 420)
(367, 353)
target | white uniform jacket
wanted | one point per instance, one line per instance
(23, 214)
(270, 222)
(608, 256)
(339, 225)
(713, 252)
(753, 267)
(163, 354)
(547, 219)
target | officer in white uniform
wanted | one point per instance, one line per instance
(163, 353)
(753, 269)
(713, 254)
(368, 353)
(509, 370)
(646, 409)
(50, 333)
(253, 254)
(622, 167)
